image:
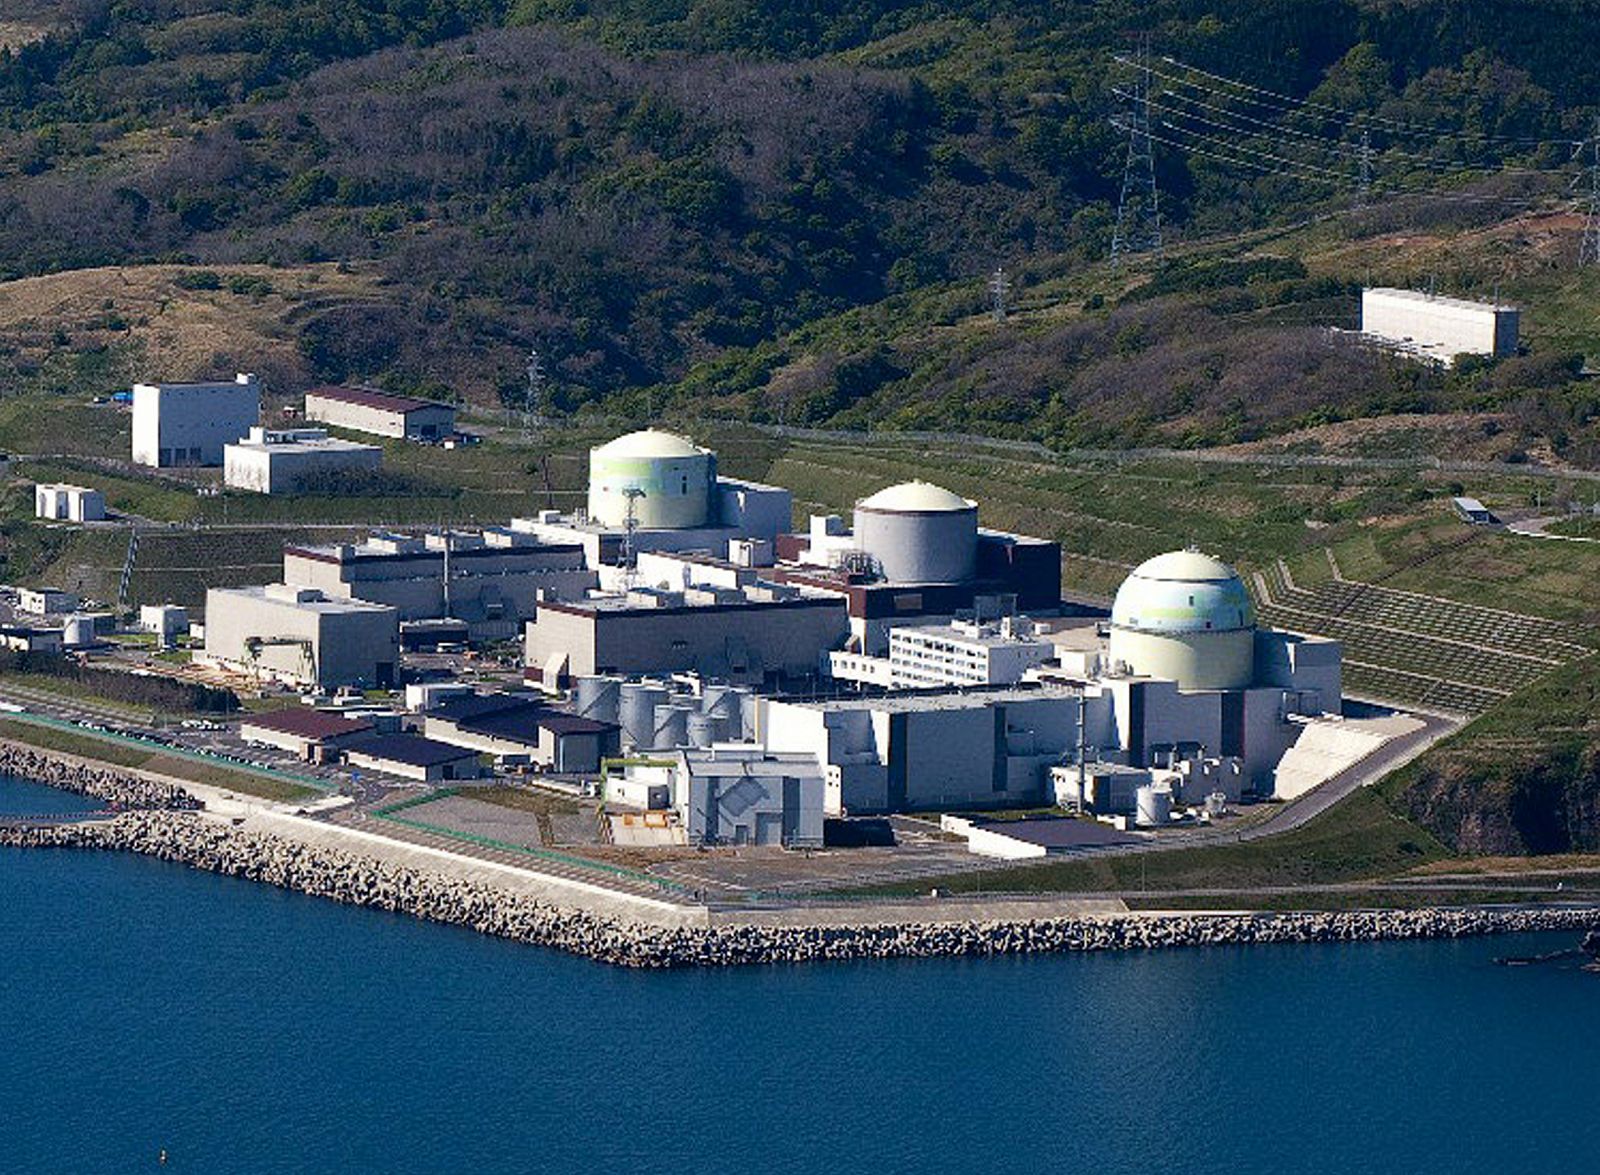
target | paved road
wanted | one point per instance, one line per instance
(1537, 528)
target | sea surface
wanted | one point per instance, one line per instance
(147, 1007)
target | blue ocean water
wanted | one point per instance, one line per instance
(145, 1006)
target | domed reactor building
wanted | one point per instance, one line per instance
(653, 490)
(916, 555)
(1186, 617)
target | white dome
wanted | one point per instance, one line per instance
(649, 442)
(1183, 592)
(915, 497)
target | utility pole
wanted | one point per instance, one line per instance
(1589, 249)
(999, 289)
(1139, 208)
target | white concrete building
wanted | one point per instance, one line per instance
(167, 621)
(46, 601)
(731, 794)
(1438, 328)
(282, 461)
(68, 503)
(379, 413)
(962, 652)
(297, 634)
(189, 423)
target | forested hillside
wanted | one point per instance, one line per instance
(777, 207)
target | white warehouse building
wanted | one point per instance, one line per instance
(1438, 328)
(380, 413)
(282, 461)
(190, 423)
(68, 503)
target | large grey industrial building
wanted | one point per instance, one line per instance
(491, 579)
(297, 634)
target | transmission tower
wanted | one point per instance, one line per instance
(535, 371)
(1589, 249)
(999, 290)
(1364, 187)
(1139, 208)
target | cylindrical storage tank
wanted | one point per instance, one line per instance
(705, 729)
(746, 723)
(637, 710)
(671, 726)
(597, 698)
(1154, 806)
(77, 631)
(720, 701)
(675, 480)
(919, 533)
(1185, 617)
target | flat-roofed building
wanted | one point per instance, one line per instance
(1438, 328)
(495, 579)
(305, 732)
(956, 654)
(167, 621)
(411, 756)
(24, 638)
(178, 424)
(46, 601)
(68, 503)
(380, 413)
(758, 633)
(731, 794)
(298, 634)
(524, 728)
(287, 461)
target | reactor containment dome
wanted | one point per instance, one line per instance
(919, 533)
(669, 480)
(1185, 617)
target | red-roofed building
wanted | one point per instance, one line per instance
(379, 413)
(308, 733)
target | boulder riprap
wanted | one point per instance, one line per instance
(119, 789)
(367, 881)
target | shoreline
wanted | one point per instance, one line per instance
(321, 871)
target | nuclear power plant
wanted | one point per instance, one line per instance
(915, 658)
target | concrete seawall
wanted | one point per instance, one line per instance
(325, 871)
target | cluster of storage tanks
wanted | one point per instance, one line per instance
(655, 716)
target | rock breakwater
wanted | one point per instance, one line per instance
(365, 881)
(119, 789)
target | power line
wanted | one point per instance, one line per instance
(1336, 145)
(1400, 125)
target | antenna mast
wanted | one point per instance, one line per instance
(1139, 208)
(630, 524)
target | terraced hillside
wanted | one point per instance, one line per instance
(1425, 650)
